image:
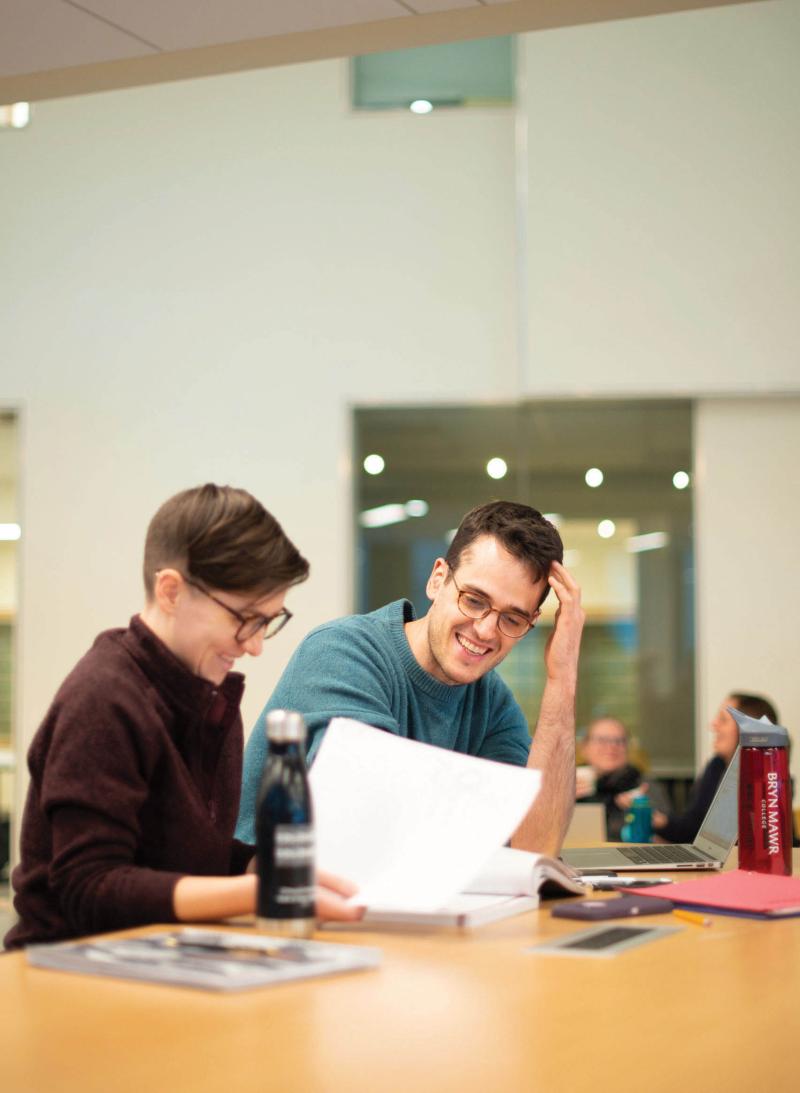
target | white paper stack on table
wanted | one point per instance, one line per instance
(421, 830)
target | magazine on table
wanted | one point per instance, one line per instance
(217, 960)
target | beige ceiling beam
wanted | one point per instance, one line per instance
(403, 33)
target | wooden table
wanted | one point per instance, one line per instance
(706, 1009)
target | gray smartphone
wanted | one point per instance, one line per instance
(621, 907)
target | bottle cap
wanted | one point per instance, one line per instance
(759, 733)
(286, 727)
(771, 736)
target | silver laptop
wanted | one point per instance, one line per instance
(709, 850)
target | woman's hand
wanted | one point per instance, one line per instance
(625, 800)
(332, 892)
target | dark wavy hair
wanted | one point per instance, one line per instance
(522, 530)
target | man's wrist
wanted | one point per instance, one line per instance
(566, 681)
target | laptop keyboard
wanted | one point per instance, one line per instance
(660, 855)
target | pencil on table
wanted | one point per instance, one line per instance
(692, 916)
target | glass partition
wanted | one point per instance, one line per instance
(616, 479)
(476, 72)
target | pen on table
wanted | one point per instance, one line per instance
(610, 882)
(692, 916)
(289, 951)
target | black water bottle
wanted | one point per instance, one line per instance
(285, 831)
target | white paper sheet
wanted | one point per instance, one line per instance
(409, 823)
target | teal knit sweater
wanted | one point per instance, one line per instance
(362, 667)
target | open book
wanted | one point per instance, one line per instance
(508, 884)
(217, 960)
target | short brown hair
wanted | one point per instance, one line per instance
(224, 538)
(521, 530)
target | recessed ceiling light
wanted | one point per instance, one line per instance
(421, 106)
(606, 529)
(497, 467)
(680, 480)
(593, 477)
(374, 463)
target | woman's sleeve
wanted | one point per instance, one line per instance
(683, 828)
(95, 781)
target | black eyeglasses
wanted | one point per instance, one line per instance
(475, 606)
(249, 625)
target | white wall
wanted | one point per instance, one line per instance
(747, 504)
(663, 252)
(199, 280)
(664, 169)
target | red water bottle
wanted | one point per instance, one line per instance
(765, 796)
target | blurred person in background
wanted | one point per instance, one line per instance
(683, 827)
(608, 777)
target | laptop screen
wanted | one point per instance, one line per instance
(721, 825)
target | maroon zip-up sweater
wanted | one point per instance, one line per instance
(135, 782)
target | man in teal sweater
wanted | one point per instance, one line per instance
(431, 679)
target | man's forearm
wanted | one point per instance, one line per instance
(553, 753)
(553, 748)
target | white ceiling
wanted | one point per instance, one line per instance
(43, 34)
(50, 48)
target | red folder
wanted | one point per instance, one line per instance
(759, 895)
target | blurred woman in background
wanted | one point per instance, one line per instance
(683, 827)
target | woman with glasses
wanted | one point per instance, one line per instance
(136, 768)
(609, 778)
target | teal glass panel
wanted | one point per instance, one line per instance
(452, 74)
